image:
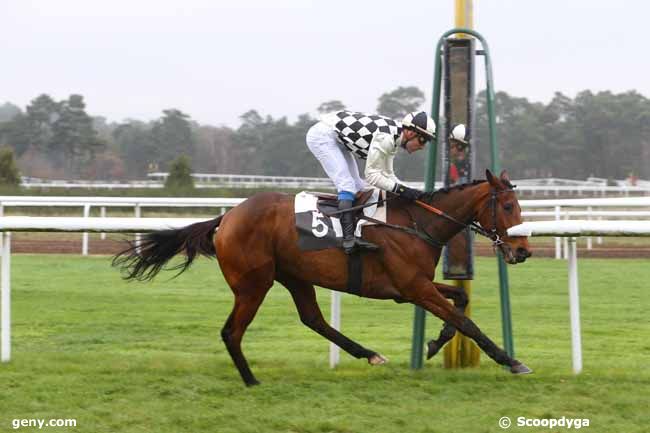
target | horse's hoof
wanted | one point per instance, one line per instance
(432, 349)
(520, 369)
(377, 359)
(253, 382)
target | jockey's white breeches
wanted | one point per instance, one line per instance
(338, 162)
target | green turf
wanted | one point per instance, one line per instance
(141, 357)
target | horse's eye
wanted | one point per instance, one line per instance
(507, 207)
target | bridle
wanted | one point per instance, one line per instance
(492, 233)
(492, 205)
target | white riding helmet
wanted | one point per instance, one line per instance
(459, 133)
(421, 123)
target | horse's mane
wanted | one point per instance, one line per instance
(430, 196)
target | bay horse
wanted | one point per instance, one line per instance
(257, 243)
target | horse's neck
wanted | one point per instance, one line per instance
(462, 204)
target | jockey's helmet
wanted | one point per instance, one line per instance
(459, 133)
(419, 122)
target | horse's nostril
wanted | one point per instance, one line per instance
(523, 253)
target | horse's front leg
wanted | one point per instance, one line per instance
(426, 295)
(458, 295)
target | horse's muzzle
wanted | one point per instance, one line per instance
(514, 256)
(522, 254)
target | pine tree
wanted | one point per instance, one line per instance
(9, 174)
(399, 102)
(180, 181)
(74, 142)
(172, 135)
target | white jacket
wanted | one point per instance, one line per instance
(379, 165)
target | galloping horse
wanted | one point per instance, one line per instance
(256, 244)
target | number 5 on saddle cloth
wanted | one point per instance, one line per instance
(317, 231)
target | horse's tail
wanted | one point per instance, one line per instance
(144, 259)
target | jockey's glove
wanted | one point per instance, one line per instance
(407, 193)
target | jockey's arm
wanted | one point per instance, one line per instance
(379, 165)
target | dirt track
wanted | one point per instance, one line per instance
(600, 251)
(112, 246)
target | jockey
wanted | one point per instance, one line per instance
(376, 138)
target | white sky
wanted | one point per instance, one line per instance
(217, 59)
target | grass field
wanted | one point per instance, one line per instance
(140, 357)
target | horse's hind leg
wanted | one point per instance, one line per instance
(233, 331)
(249, 294)
(458, 295)
(304, 296)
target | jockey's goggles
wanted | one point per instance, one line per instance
(423, 134)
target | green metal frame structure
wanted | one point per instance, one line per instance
(430, 175)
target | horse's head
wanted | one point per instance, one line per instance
(501, 212)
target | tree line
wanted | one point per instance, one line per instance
(594, 134)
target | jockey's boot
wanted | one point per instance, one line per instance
(350, 242)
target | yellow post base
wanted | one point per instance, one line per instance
(461, 351)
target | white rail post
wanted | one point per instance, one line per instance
(574, 305)
(138, 214)
(558, 240)
(84, 238)
(335, 322)
(566, 240)
(599, 239)
(102, 213)
(589, 210)
(5, 300)
(2, 213)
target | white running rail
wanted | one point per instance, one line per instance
(55, 224)
(571, 230)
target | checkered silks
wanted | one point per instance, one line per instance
(356, 130)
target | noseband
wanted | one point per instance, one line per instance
(492, 205)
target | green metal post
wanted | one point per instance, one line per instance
(418, 320)
(506, 318)
(506, 321)
(417, 342)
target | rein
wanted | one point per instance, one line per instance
(413, 231)
(492, 234)
(426, 237)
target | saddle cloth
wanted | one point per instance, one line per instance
(316, 231)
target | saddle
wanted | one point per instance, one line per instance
(317, 230)
(328, 204)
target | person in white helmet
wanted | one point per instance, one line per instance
(339, 135)
(458, 153)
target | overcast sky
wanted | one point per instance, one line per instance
(217, 59)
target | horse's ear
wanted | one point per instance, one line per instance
(490, 178)
(504, 176)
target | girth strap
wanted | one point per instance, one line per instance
(355, 273)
